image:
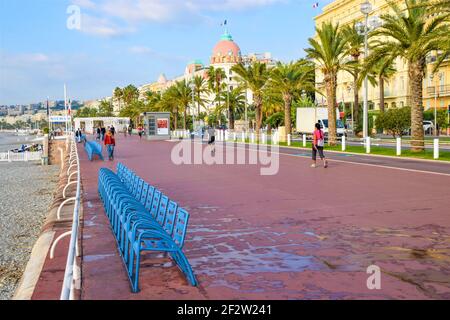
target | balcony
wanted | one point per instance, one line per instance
(443, 90)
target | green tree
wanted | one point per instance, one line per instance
(290, 80)
(355, 48)
(118, 94)
(105, 109)
(200, 88)
(216, 84)
(411, 34)
(330, 55)
(183, 96)
(235, 103)
(254, 78)
(395, 121)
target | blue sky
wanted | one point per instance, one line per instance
(133, 41)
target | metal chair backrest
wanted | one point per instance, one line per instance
(181, 223)
(149, 201)
(155, 203)
(144, 193)
(162, 209)
(138, 191)
(170, 217)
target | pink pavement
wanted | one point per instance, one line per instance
(301, 234)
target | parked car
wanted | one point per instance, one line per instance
(428, 126)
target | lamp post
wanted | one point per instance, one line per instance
(349, 90)
(436, 87)
(364, 29)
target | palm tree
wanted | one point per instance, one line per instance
(355, 47)
(383, 70)
(152, 99)
(254, 78)
(169, 103)
(200, 87)
(289, 80)
(105, 109)
(329, 52)
(129, 94)
(118, 94)
(215, 82)
(412, 34)
(236, 103)
(183, 95)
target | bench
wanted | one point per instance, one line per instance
(143, 219)
(93, 148)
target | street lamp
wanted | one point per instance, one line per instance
(435, 101)
(364, 29)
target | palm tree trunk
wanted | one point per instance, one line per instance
(231, 111)
(258, 115)
(355, 105)
(381, 86)
(330, 84)
(416, 86)
(184, 118)
(287, 115)
(176, 118)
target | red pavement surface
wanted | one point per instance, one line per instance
(301, 234)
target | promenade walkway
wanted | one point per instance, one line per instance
(301, 234)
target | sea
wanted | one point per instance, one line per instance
(9, 141)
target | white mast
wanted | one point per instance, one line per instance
(65, 105)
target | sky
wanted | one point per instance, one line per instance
(121, 42)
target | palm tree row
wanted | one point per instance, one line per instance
(409, 33)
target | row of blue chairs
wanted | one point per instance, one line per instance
(143, 219)
(93, 148)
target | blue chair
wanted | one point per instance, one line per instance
(157, 241)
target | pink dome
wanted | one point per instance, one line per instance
(226, 51)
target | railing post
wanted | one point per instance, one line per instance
(304, 140)
(253, 137)
(243, 136)
(344, 143)
(399, 146)
(368, 145)
(289, 139)
(436, 149)
(9, 156)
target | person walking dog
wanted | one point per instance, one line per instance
(317, 147)
(110, 144)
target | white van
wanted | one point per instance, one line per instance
(308, 117)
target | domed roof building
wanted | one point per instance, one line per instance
(226, 51)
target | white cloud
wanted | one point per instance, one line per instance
(141, 50)
(102, 27)
(98, 16)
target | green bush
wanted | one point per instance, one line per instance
(395, 121)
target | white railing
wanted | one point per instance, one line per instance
(72, 271)
(22, 156)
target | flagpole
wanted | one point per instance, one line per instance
(65, 105)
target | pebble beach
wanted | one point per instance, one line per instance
(26, 193)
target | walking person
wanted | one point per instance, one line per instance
(99, 132)
(110, 144)
(125, 131)
(318, 144)
(212, 140)
(102, 133)
(140, 131)
(130, 130)
(113, 130)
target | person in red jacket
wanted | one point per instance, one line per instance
(110, 144)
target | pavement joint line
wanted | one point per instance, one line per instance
(344, 152)
(350, 162)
